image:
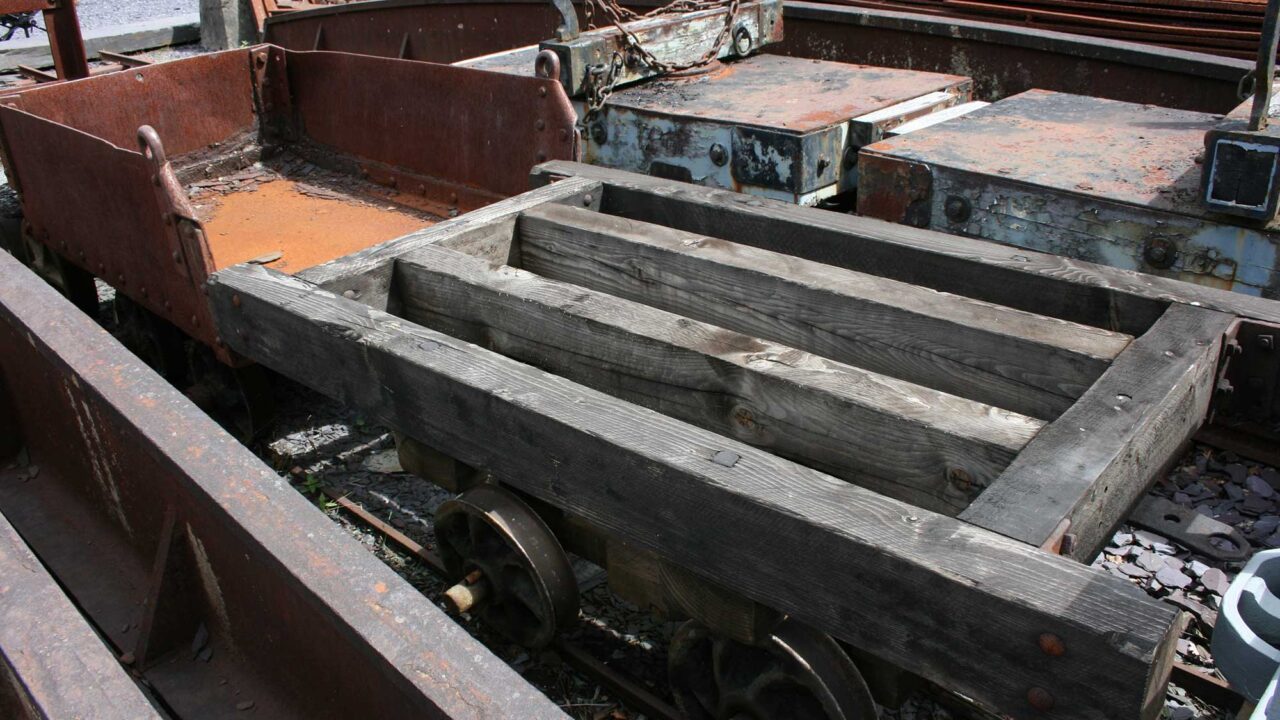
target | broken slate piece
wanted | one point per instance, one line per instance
(1133, 571)
(1259, 487)
(1237, 472)
(1197, 568)
(1272, 476)
(1150, 561)
(1234, 491)
(1122, 538)
(1215, 581)
(1266, 525)
(1172, 578)
(1147, 539)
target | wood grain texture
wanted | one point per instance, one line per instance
(1028, 363)
(898, 438)
(957, 604)
(1083, 292)
(367, 274)
(1093, 463)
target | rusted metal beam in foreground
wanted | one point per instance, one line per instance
(197, 564)
(52, 665)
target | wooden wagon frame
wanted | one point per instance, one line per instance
(973, 420)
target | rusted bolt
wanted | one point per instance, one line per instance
(1267, 342)
(542, 157)
(957, 209)
(453, 198)
(961, 479)
(195, 321)
(718, 155)
(1040, 699)
(177, 257)
(542, 92)
(120, 278)
(217, 341)
(168, 305)
(587, 200)
(1160, 253)
(1051, 645)
(599, 133)
(235, 301)
(143, 290)
(102, 269)
(824, 162)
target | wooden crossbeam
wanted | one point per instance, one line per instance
(914, 443)
(1014, 359)
(957, 604)
(1052, 285)
(1096, 460)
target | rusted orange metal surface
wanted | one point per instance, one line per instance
(166, 164)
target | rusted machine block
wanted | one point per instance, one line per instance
(1093, 179)
(287, 159)
(208, 578)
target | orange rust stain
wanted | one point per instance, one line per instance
(306, 229)
(380, 588)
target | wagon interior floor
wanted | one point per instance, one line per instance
(290, 214)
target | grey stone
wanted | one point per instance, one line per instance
(1122, 538)
(1172, 578)
(1150, 561)
(1237, 472)
(1197, 568)
(1259, 487)
(1272, 476)
(1235, 491)
(1215, 581)
(1132, 570)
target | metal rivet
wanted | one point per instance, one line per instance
(540, 124)
(587, 199)
(1052, 645)
(542, 92)
(1040, 699)
(718, 154)
(957, 209)
(177, 257)
(599, 133)
(235, 301)
(195, 321)
(168, 305)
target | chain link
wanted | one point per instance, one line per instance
(601, 79)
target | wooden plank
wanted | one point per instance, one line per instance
(959, 605)
(920, 445)
(1028, 363)
(1088, 293)
(1093, 463)
(366, 275)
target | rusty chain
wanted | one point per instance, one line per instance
(601, 79)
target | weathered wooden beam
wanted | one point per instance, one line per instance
(1028, 363)
(1052, 285)
(926, 447)
(957, 604)
(1093, 463)
(366, 275)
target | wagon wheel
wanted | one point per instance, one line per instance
(509, 567)
(796, 674)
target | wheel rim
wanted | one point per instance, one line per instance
(534, 592)
(796, 674)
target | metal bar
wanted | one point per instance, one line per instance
(65, 41)
(36, 74)
(125, 60)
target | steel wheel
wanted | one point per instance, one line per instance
(490, 536)
(797, 674)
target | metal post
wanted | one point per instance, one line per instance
(1265, 72)
(65, 42)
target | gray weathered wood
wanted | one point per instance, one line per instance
(366, 275)
(1093, 463)
(901, 439)
(1052, 285)
(955, 603)
(1013, 359)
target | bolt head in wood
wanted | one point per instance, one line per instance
(1040, 699)
(1052, 645)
